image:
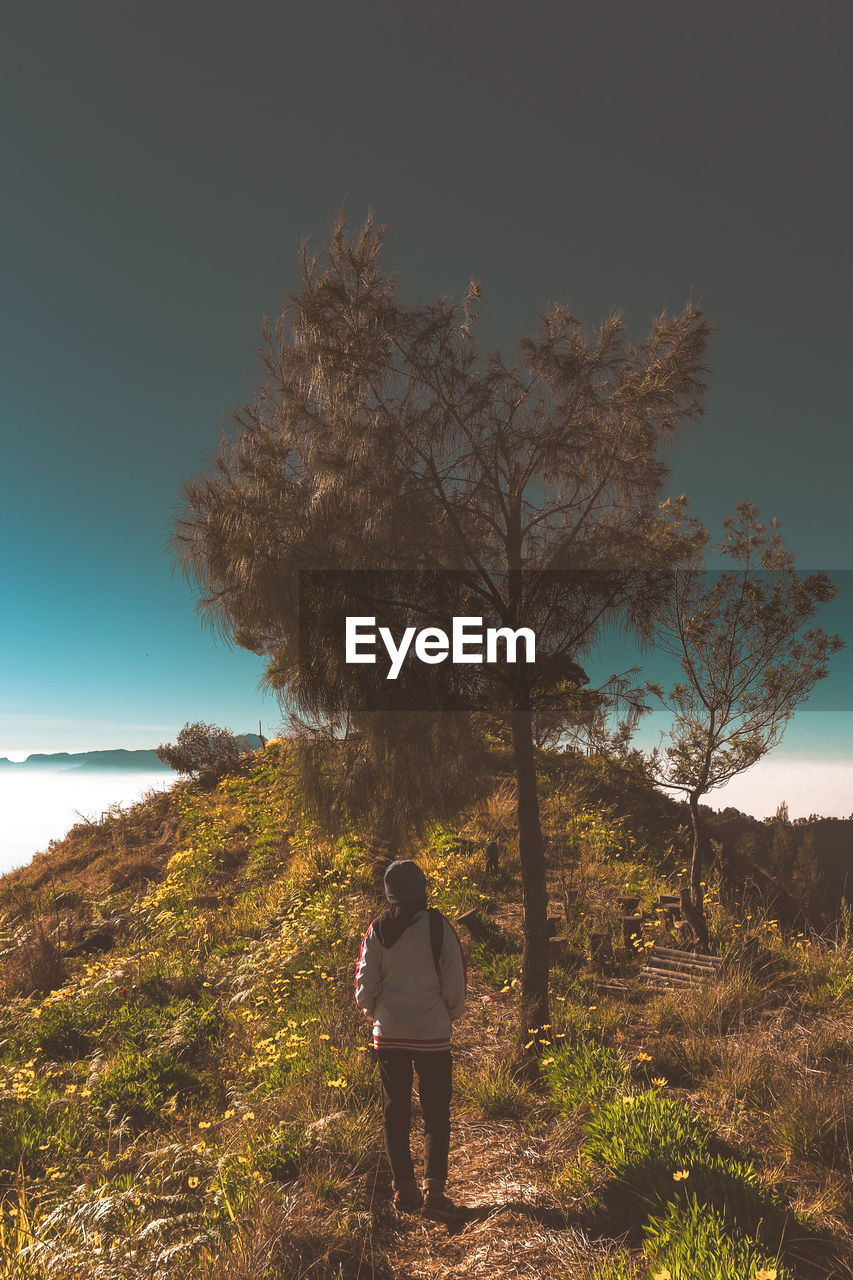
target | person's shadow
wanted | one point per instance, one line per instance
(545, 1216)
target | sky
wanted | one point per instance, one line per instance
(162, 163)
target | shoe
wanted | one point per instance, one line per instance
(438, 1206)
(408, 1201)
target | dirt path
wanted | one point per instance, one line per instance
(500, 1171)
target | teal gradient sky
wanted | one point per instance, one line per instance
(161, 163)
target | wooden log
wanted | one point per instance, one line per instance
(553, 926)
(558, 950)
(628, 906)
(632, 929)
(492, 858)
(680, 970)
(601, 950)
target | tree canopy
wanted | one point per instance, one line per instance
(381, 438)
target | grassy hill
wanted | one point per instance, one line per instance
(186, 1088)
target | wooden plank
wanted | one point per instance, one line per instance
(693, 956)
(667, 975)
(672, 963)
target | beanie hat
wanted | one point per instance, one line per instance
(404, 882)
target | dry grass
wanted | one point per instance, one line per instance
(763, 1055)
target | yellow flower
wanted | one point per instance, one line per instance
(666, 1274)
(765, 1273)
(659, 1081)
(204, 1124)
(680, 1175)
(643, 1057)
(192, 1181)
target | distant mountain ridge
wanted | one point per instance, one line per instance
(118, 758)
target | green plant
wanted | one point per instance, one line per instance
(64, 1032)
(583, 1072)
(283, 1156)
(497, 957)
(638, 1134)
(136, 1085)
(494, 1090)
(660, 1152)
(692, 1242)
(814, 1123)
(616, 1266)
(130, 1087)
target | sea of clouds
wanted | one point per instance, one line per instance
(40, 805)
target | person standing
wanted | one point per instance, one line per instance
(410, 979)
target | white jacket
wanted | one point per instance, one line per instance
(411, 1008)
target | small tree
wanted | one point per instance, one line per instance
(747, 662)
(202, 751)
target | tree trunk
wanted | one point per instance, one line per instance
(534, 973)
(696, 914)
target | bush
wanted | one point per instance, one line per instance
(283, 1157)
(202, 751)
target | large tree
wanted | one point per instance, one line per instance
(380, 438)
(748, 659)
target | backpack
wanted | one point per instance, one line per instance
(436, 936)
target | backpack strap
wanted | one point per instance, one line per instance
(436, 936)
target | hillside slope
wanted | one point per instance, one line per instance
(186, 1087)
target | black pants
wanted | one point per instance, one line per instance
(434, 1090)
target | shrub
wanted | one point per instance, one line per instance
(202, 751)
(130, 1088)
(814, 1123)
(497, 967)
(189, 1026)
